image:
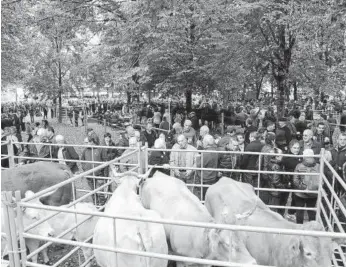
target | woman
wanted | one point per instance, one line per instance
(290, 164)
(109, 153)
(277, 181)
(44, 126)
(306, 182)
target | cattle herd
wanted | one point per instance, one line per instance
(168, 198)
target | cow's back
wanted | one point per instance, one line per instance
(36, 177)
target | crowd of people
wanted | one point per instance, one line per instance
(196, 141)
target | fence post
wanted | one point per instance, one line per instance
(10, 153)
(140, 162)
(73, 118)
(85, 119)
(202, 188)
(10, 220)
(320, 187)
(222, 123)
(105, 125)
(20, 227)
(7, 230)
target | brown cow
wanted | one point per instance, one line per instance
(36, 177)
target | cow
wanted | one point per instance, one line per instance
(173, 200)
(36, 177)
(30, 216)
(134, 235)
(268, 249)
(63, 221)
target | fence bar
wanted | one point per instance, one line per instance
(259, 175)
(10, 153)
(195, 224)
(7, 230)
(320, 187)
(20, 227)
(85, 146)
(142, 253)
(13, 230)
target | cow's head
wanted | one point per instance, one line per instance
(130, 179)
(306, 251)
(226, 245)
(31, 216)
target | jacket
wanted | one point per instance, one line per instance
(92, 154)
(210, 160)
(315, 146)
(190, 136)
(249, 162)
(275, 180)
(283, 136)
(306, 182)
(158, 158)
(338, 159)
(190, 157)
(70, 153)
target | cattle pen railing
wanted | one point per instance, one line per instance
(328, 204)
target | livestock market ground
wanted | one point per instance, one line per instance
(73, 135)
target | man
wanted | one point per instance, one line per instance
(249, 128)
(149, 135)
(93, 134)
(130, 159)
(210, 160)
(300, 125)
(159, 158)
(66, 152)
(339, 158)
(204, 130)
(19, 124)
(125, 137)
(283, 135)
(270, 126)
(182, 159)
(230, 135)
(249, 162)
(309, 143)
(189, 133)
(320, 135)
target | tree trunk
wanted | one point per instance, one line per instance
(60, 93)
(295, 91)
(188, 95)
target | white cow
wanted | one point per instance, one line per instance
(173, 200)
(30, 216)
(63, 221)
(268, 249)
(131, 235)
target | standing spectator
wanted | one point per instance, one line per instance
(93, 134)
(44, 126)
(249, 161)
(301, 126)
(309, 143)
(290, 164)
(149, 135)
(230, 134)
(277, 181)
(339, 159)
(108, 153)
(64, 152)
(76, 116)
(228, 160)
(45, 112)
(159, 158)
(132, 158)
(249, 129)
(157, 118)
(241, 141)
(93, 154)
(189, 133)
(18, 122)
(283, 135)
(203, 131)
(125, 137)
(165, 125)
(210, 160)
(28, 131)
(70, 115)
(32, 114)
(320, 135)
(306, 182)
(309, 114)
(182, 159)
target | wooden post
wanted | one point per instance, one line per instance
(222, 123)
(10, 153)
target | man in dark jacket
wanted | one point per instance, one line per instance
(283, 135)
(66, 152)
(339, 158)
(249, 129)
(210, 160)
(249, 162)
(309, 143)
(149, 135)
